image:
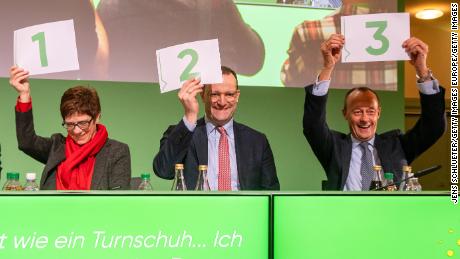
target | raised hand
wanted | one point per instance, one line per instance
(331, 50)
(187, 96)
(19, 79)
(418, 53)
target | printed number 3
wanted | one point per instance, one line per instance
(381, 26)
(40, 37)
(194, 55)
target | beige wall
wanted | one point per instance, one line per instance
(436, 33)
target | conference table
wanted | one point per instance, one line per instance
(183, 225)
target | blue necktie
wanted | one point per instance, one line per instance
(366, 166)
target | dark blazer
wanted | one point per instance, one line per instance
(395, 149)
(254, 157)
(112, 169)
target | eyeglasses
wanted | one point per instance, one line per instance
(229, 96)
(83, 125)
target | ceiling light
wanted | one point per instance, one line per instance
(429, 14)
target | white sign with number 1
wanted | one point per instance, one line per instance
(375, 37)
(179, 63)
(46, 48)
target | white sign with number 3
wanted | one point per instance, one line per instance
(179, 63)
(375, 37)
(46, 48)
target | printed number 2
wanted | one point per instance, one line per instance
(194, 55)
(381, 26)
(40, 37)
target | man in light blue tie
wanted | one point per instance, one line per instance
(348, 158)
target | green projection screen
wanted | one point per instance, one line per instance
(366, 226)
(268, 43)
(134, 226)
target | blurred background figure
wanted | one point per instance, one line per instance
(130, 32)
(24, 13)
(304, 62)
(314, 3)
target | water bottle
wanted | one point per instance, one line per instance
(407, 174)
(377, 181)
(202, 181)
(413, 185)
(179, 182)
(390, 185)
(9, 177)
(12, 183)
(31, 185)
(145, 184)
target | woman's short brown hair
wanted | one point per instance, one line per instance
(82, 100)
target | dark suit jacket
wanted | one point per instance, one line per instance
(254, 158)
(112, 169)
(395, 149)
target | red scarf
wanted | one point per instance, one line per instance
(76, 171)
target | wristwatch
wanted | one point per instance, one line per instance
(428, 77)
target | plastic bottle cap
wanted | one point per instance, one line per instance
(145, 176)
(377, 167)
(9, 175)
(407, 168)
(202, 167)
(388, 175)
(31, 176)
(16, 176)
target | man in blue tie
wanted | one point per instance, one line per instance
(348, 158)
(238, 157)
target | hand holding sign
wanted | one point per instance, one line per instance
(418, 53)
(182, 62)
(19, 80)
(46, 48)
(375, 37)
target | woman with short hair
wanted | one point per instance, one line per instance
(85, 159)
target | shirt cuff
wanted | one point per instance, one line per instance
(429, 87)
(23, 107)
(320, 88)
(190, 126)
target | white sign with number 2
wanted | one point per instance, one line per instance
(375, 37)
(46, 48)
(179, 63)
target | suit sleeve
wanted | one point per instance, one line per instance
(315, 128)
(429, 127)
(269, 177)
(173, 149)
(28, 141)
(121, 169)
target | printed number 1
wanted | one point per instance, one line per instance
(40, 37)
(381, 26)
(194, 55)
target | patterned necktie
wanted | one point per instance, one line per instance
(224, 179)
(366, 166)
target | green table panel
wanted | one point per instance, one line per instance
(134, 227)
(366, 226)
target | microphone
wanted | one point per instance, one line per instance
(418, 174)
(427, 171)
